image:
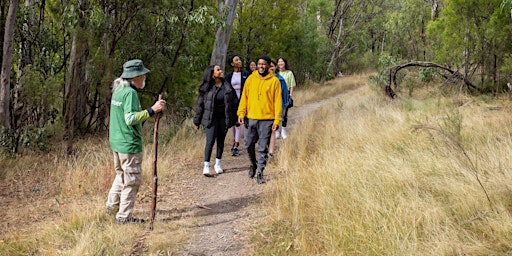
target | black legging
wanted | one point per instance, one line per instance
(285, 117)
(216, 132)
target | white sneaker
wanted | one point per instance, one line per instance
(283, 133)
(206, 169)
(217, 167)
(278, 134)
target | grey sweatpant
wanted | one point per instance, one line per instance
(258, 131)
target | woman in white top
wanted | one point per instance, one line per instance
(237, 79)
(287, 74)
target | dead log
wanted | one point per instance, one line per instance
(394, 70)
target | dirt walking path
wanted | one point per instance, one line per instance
(218, 211)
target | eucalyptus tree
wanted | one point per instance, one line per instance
(68, 54)
(5, 77)
(434, 8)
(345, 17)
(473, 36)
(354, 30)
(77, 86)
(406, 30)
(275, 28)
(155, 31)
(227, 11)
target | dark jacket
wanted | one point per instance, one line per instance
(245, 74)
(205, 108)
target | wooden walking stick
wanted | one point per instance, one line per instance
(155, 174)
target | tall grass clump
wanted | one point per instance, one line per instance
(315, 92)
(58, 201)
(367, 175)
(82, 231)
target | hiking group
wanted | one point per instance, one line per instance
(257, 100)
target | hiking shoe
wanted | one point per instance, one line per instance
(260, 178)
(111, 210)
(128, 220)
(235, 152)
(252, 171)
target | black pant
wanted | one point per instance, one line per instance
(215, 132)
(285, 117)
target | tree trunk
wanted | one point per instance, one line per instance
(220, 48)
(335, 51)
(75, 94)
(4, 9)
(28, 35)
(434, 9)
(6, 64)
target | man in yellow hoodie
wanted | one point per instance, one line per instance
(260, 102)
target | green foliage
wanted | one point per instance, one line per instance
(38, 88)
(36, 139)
(426, 74)
(386, 61)
(471, 44)
(175, 40)
(507, 67)
(357, 63)
(406, 27)
(8, 142)
(278, 28)
(451, 127)
(13, 142)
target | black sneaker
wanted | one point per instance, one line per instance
(130, 220)
(235, 152)
(260, 178)
(252, 171)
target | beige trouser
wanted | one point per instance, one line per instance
(123, 192)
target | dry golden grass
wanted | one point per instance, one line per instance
(371, 176)
(315, 92)
(367, 176)
(58, 202)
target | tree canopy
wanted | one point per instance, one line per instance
(65, 54)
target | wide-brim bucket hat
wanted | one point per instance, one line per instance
(133, 68)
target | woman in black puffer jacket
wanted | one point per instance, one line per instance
(216, 111)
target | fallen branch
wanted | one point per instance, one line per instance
(394, 70)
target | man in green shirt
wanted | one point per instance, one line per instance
(125, 135)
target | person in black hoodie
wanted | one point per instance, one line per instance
(216, 108)
(237, 79)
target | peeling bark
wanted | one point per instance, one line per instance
(5, 76)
